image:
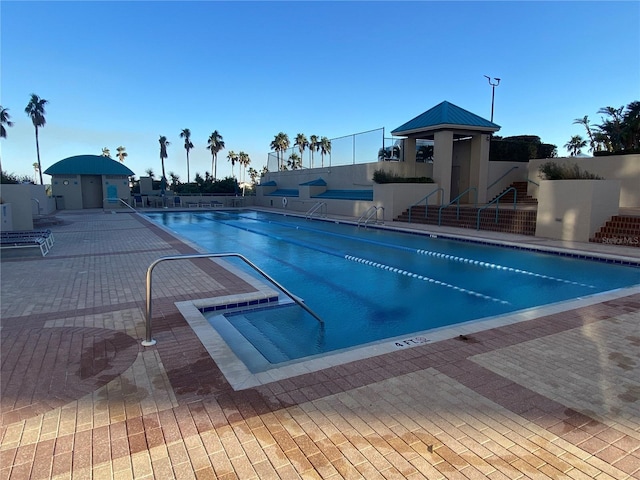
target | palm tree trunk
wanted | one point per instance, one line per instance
(187, 166)
(38, 153)
(215, 166)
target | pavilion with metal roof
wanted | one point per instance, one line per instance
(460, 151)
(88, 181)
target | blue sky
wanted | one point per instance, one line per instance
(124, 73)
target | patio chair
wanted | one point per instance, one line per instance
(138, 199)
(177, 202)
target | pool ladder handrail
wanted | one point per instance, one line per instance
(149, 341)
(457, 202)
(426, 202)
(369, 213)
(497, 202)
(117, 200)
(320, 208)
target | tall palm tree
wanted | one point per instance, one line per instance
(121, 154)
(302, 143)
(186, 134)
(575, 145)
(325, 148)
(164, 143)
(585, 121)
(294, 162)
(35, 110)
(233, 158)
(313, 146)
(280, 144)
(631, 126)
(215, 144)
(4, 120)
(244, 160)
(106, 152)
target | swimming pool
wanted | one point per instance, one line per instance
(372, 284)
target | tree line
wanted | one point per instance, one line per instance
(281, 144)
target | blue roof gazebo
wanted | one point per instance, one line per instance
(461, 140)
(86, 181)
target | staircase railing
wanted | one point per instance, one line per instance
(497, 202)
(502, 176)
(320, 208)
(117, 200)
(457, 202)
(426, 203)
(369, 213)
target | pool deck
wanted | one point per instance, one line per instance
(557, 396)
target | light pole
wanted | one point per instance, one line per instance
(493, 91)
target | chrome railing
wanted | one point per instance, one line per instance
(369, 214)
(116, 200)
(149, 341)
(320, 208)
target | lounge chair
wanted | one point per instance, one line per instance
(177, 202)
(27, 239)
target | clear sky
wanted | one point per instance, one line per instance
(124, 73)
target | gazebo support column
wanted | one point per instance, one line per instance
(443, 161)
(480, 144)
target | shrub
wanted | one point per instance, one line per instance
(553, 171)
(380, 176)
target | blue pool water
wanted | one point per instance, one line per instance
(372, 284)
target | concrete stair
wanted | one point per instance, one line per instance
(520, 221)
(621, 230)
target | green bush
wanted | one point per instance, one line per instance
(553, 171)
(380, 176)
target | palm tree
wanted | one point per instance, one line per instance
(233, 158)
(106, 152)
(294, 161)
(585, 121)
(325, 148)
(575, 145)
(215, 144)
(631, 126)
(302, 143)
(121, 154)
(280, 144)
(36, 168)
(313, 146)
(149, 172)
(35, 110)
(186, 134)
(164, 143)
(175, 180)
(4, 120)
(253, 175)
(244, 160)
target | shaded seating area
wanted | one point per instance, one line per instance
(41, 239)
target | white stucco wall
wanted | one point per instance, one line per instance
(574, 210)
(19, 196)
(625, 168)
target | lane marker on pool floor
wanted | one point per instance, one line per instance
(399, 271)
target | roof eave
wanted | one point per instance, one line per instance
(445, 126)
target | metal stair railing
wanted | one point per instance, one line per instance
(497, 202)
(320, 207)
(149, 341)
(369, 213)
(502, 176)
(457, 202)
(426, 202)
(116, 200)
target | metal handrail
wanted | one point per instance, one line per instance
(457, 201)
(497, 202)
(318, 206)
(502, 176)
(148, 341)
(370, 212)
(426, 203)
(119, 200)
(531, 181)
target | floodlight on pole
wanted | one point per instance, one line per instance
(493, 91)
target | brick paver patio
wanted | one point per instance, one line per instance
(553, 397)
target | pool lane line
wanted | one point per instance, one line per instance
(389, 268)
(429, 253)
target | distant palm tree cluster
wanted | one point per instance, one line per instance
(281, 144)
(121, 153)
(618, 132)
